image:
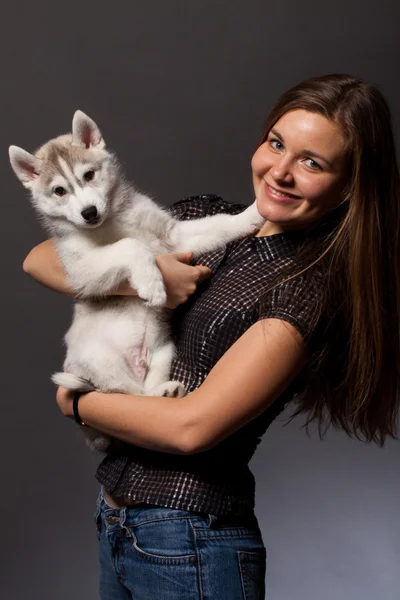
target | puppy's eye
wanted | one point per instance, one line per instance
(60, 191)
(88, 176)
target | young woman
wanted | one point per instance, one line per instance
(308, 309)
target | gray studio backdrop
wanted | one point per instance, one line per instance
(181, 90)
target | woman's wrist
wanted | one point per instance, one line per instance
(84, 403)
(75, 409)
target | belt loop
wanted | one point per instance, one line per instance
(211, 520)
(122, 514)
(101, 495)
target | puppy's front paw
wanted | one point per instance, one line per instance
(157, 298)
(152, 291)
(171, 389)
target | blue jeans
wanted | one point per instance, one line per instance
(149, 552)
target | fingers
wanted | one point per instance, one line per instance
(200, 272)
(203, 272)
(183, 256)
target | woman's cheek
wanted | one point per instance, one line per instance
(255, 166)
(259, 161)
(309, 188)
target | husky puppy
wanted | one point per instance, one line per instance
(106, 233)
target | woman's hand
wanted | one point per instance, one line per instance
(180, 279)
(64, 399)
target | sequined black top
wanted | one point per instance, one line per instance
(217, 481)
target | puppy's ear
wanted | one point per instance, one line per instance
(85, 133)
(26, 166)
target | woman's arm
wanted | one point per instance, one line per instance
(44, 265)
(244, 382)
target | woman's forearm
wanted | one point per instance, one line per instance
(152, 422)
(44, 265)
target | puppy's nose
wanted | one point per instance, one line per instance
(89, 213)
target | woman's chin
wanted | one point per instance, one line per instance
(272, 211)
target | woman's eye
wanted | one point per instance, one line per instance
(60, 191)
(276, 144)
(88, 176)
(313, 165)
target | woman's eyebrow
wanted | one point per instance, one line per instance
(304, 151)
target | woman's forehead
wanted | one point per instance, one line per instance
(307, 130)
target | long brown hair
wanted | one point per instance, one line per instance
(353, 372)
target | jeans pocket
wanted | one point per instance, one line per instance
(252, 566)
(164, 541)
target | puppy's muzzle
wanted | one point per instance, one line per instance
(90, 214)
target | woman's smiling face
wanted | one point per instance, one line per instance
(299, 172)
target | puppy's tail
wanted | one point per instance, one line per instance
(73, 382)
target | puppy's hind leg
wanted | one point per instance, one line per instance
(157, 382)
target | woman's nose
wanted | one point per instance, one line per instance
(281, 170)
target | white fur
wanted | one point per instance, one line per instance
(115, 344)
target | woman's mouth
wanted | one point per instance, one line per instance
(279, 196)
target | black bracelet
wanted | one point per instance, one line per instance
(75, 408)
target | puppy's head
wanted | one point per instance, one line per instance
(70, 177)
